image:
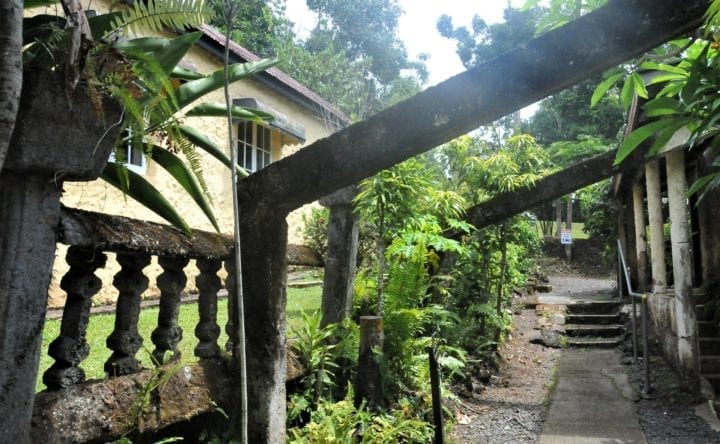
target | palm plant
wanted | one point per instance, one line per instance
(142, 74)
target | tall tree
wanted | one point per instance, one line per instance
(363, 29)
(484, 42)
(567, 115)
(256, 26)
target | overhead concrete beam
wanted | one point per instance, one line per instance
(548, 64)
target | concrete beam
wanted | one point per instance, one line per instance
(546, 65)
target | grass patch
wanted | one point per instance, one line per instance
(577, 230)
(100, 327)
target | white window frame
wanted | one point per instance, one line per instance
(254, 149)
(135, 159)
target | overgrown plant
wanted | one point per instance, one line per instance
(142, 74)
(324, 353)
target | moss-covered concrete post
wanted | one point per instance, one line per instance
(656, 220)
(263, 233)
(638, 209)
(53, 141)
(341, 256)
(685, 318)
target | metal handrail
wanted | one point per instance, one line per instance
(634, 297)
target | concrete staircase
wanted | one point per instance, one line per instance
(709, 347)
(594, 324)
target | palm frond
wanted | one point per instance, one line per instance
(154, 15)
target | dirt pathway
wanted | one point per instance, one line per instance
(513, 406)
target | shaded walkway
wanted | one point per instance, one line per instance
(592, 402)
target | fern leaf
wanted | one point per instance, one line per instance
(159, 14)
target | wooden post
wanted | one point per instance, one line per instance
(656, 219)
(686, 320)
(638, 209)
(368, 381)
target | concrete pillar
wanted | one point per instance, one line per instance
(29, 215)
(53, 140)
(264, 274)
(638, 208)
(686, 321)
(341, 256)
(626, 233)
(558, 217)
(656, 220)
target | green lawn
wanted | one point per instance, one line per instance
(577, 230)
(100, 326)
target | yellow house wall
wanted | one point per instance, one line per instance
(102, 197)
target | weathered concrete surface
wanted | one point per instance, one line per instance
(686, 319)
(99, 410)
(342, 239)
(121, 234)
(545, 65)
(30, 186)
(592, 402)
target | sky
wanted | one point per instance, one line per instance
(417, 28)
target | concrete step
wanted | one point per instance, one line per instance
(587, 341)
(710, 364)
(705, 312)
(593, 318)
(709, 346)
(708, 329)
(594, 330)
(713, 379)
(594, 307)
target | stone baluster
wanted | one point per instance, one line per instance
(231, 287)
(71, 348)
(125, 340)
(171, 283)
(207, 330)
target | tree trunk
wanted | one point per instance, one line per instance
(11, 15)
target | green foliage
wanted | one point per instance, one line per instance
(157, 15)
(557, 13)
(314, 230)
(256, 26)
(600, 214)
(485, 42)
(142, 75)
(321, 352)
(566, 116)
(341, 422)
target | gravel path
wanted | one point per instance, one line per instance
(513, 406)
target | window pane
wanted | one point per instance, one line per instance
(247, 158)
(266, 158)
(266, 139)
